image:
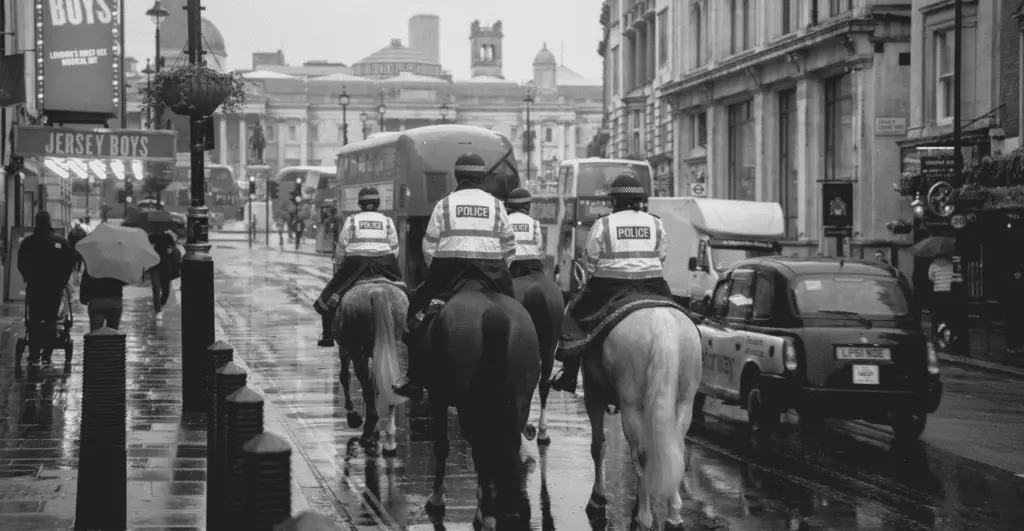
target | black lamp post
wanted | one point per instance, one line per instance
(344, 100)
(529, 133)
(157, 14)
(381, 109)
(149, 111)
(444, 112)
(363, 117)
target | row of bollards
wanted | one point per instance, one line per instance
(248, 471)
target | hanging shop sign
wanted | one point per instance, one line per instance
(128, 144)
(837, 205)
(78, 56)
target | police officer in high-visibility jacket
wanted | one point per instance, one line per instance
(529, 253)
(469, 237)
(624, 254)
(367, 248)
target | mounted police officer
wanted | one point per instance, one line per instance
(625, 253)
(367, 248)
(469, 238)
(529, 241)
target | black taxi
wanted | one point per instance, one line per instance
(829, 337)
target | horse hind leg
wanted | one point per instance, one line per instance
(352, 416)
(435, 506)
(598, 500)
(390, 443)
(632, 426)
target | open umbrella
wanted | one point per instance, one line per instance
(122, 252)
(933, 246)
(153, 221)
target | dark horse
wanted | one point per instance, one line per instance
(368, 323)
(486, 363)
(543, 301)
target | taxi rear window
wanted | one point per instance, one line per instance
(861, 295)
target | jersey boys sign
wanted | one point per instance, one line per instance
(61, 142)
(78, 55)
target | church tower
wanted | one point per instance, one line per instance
(485, 44)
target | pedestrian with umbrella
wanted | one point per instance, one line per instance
(160, 225)
(114, 257)
(940, 273)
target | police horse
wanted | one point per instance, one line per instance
(373, 315)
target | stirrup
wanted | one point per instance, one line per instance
(325, 341)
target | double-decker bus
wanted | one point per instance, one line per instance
(315, 186)
(223, 194)
(412, 170)
(583, 186)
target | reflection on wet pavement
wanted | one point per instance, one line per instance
(840, 479)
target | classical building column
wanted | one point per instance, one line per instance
(717, 170)
(222, 133)
(243, 142)
(282, 129)
(574, 142)
(303, 142)
(759, 142)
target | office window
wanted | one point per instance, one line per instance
(837, 7)
(742, 24)
(790, 16)
(548, 134)
(314, 133)
(839, 145)
(636, 143)
(663, 37)
(787, 161)
(698, 23)
(944, 75)
(742, 181)
(700, 130)
(292, 131)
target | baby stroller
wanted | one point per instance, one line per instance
(65, 319)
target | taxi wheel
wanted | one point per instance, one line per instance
(762, 416)
(909, 426)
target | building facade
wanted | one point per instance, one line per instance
(638, 52)
(773, 100)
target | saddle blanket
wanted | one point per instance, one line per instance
(335, 299)
(617, 310)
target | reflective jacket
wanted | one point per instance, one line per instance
(528, 237)
(367, 234)
(471, 224)
(626, 245)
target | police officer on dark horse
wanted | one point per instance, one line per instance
(478, 351)
(368, 244)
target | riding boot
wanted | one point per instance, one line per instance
(567, 377)
(327, 338)
(411, 385)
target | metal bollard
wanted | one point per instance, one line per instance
(268, 481)
(244, 410)
(228, 379)
(308, 521)
(102, 476)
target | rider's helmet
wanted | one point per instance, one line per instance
(518, 200)
(369, 198)
(627, 192)
(470, 168)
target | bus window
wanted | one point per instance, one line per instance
(595, 178)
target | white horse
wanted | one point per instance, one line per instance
(649, 367)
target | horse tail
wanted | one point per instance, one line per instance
(385, 367)
(666, 461)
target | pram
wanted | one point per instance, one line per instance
(65, 319)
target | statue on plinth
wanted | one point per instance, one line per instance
(257, 143)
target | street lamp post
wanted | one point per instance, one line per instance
(444, 112)
(344, 100)
(960, 328)
(381, 109)
(363, 117)
(529, 133)
(149, 111)
(197, 295)
(157, 14)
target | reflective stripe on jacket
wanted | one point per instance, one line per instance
(528, 237)
(626, 245)
(469, 223)
(367, 234)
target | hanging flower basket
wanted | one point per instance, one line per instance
(910, 184)
(196, 89)
(971, 198)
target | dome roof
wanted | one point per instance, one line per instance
(396, 53)
(544, 57)
(174, 33)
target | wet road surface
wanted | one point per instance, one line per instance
(850, 476)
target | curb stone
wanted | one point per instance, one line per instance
(982, 365)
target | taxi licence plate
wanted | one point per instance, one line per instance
(865, 374)
(863, 353)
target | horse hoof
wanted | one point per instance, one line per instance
(477, 523)
(390, 453)
(674, 527)
(544, 440)
(435, 512)
(595, 513)
(354, 419)
(530, 431)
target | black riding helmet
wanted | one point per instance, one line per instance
(627, 192)
(369, 198)
(518, 201)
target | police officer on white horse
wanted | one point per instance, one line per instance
(367, 248)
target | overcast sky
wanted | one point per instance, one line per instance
(348, 30)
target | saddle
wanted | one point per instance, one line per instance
(436, 304)
(381, 280)
(610, 315)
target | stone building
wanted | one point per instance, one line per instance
(772, 99)
(304, 123)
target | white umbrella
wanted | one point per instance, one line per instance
(123, 253)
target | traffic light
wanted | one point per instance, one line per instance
(252, 187)
(297, 191)
(272, 189)
(129, 189)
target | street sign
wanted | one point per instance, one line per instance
(958, 221)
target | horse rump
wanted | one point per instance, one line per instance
(384, 365)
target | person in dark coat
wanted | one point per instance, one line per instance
(46, 261)
(105, 299)
(77, 234)
(161, 275)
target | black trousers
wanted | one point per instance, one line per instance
(160, 281)
(524, 268)
(447, 276)
(353, 269)
(941, 309)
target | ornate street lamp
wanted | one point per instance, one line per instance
(363, 117)
(344, 100)
(444, 112)
(528, 143)
(149, 111)
(157, 14)
(381, 109)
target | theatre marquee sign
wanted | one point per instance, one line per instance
(126, 144)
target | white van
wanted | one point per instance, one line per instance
(707, 235)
